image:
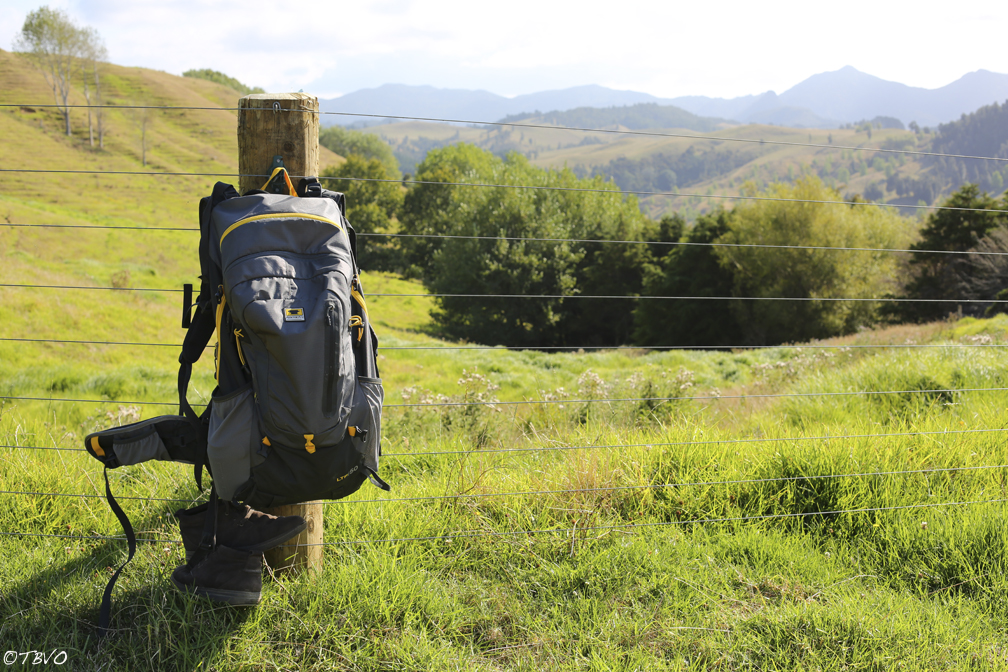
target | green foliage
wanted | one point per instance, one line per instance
(221, 78)
(809, 273)
(371, 208)
(934, 275)
(665, 172)
(508, 265)
(959, 230)
(689, 270)
(980, 133)
(51, 39)
(345, 142)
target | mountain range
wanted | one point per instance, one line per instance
(825, 100)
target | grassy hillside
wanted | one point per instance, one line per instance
(758, 521)
(636, 161)
(639, 116)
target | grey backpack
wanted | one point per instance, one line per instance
(296, 414)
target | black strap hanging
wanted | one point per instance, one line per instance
(104, 613)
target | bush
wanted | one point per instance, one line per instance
(946, 276)
(510, 264)
(689, 270)
(804, 273)
(345, 142)
(220, 78)
(371, 208)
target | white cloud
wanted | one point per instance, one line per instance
(665, 48)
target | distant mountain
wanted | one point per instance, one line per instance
(639, 116)
(848, 95)
(428, 101)
(825, 100)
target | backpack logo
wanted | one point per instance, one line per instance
(293, 314)
(347, 474)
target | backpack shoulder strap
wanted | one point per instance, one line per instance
(204, 322)
(340, 200)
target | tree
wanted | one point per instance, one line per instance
(371, 209)
(691, 270)
(345, 142)
(531, 243)
(800, 269)
(93, 52)
(960, 228)
(983, 274)
(140, 113)
(220, 78)
(52, 41)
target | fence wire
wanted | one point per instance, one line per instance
(572, 348)
(551, 127)
(601, 241)
(561, 491)
(602, 297)
(570, 532)
(612, 190)
(536, 402)
(648, 444)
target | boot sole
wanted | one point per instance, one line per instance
(236, 598)
(277, 540)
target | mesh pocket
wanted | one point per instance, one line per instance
(374, 394)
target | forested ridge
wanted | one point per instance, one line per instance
(982, 133)
(640, 116)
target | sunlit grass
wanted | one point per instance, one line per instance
(716, 526)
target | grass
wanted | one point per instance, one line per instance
(729, 530)
(629, 557)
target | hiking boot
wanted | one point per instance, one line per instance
(238, 527)
(224, 575)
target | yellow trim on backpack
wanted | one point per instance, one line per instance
(277, 215)
(266, 441)
(220, 316)
(360, 299)
(308, 445)
(96, 448)
(356, 321)
(238, 336)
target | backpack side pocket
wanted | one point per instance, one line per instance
(374, 395)
(232, 436)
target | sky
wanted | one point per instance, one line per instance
(668, 49)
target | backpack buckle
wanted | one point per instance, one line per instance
(309, 187)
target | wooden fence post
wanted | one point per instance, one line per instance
(284, 124)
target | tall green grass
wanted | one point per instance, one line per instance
(640, 539)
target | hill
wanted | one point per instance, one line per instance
(848, 95)
(825, 100)
(639, 116)
(429, 101)
(156, 258)
(981, 133)
(705, 164)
